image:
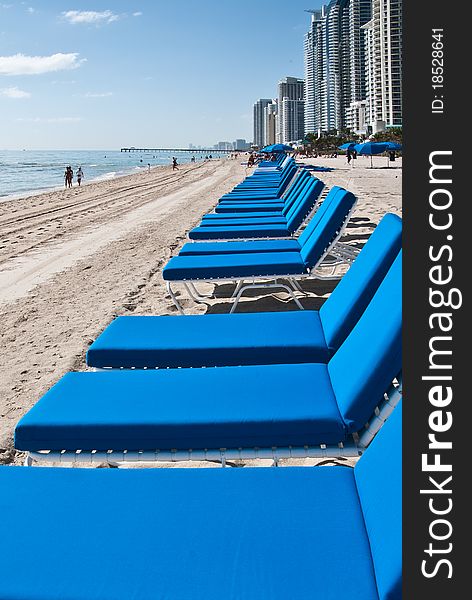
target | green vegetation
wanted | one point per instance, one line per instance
(394, 134)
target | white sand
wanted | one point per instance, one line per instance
(72, 260)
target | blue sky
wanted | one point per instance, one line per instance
(151, 73)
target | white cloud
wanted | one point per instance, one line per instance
(98, 94)
(137, 13)
(31, 10)
(20, 64)
(89, 16)
(14, 92)
(50, 119)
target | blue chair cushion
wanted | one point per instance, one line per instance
(180, 534)
(353, 293)
(229, 266)
(210, 340)
(200, 249)
(370, 357)
(378, 477)
(224, 407)
(241, 214)
(252, 221)
(249, 207)
(241, 232)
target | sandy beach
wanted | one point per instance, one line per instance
(72, 260)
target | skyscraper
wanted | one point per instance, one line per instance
(290, 123)
(327, 67)
(259, 129)
(313, 72)
(270, 116)
(383, 52)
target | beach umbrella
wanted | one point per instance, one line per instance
(347, 146)
(392, 146)
(370, 148)
(267, 148)
(281, 148)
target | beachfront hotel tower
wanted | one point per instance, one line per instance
(259, 123)
(270, 117)
(314, 82)
(352, 54)
(327, 67)
(383, 53)
(290, 121)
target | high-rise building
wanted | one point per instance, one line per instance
(383, 53)
(327, 67)
(240, 144)
(270, 117)
(360, 12)
(290, 122)
(336, 64)
(314, 83)
(259, 129)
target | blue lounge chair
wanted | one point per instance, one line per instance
(265, 269)
(252, 338)
(320, 409)
(263, 226)
(228, 208)
(266, 185)
(207, 534)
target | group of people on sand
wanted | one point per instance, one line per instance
(69, 176)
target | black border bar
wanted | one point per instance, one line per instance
(437, 260)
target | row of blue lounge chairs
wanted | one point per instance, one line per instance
(270, 256)
(308, 383)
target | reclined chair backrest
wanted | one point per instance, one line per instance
(329, 223)
(370, 358)
(301, 209)
(286, 178)
(293, 192)
(347, 302)
(311, 226)
(378, 476)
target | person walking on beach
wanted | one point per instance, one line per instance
(80, 175)
(349, 157)
(175, 165)
(68, 175)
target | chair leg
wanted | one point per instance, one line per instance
(198, 294)
(296, 286)
(250, 286)
(239, 285)
(192, 292)
(174, 298)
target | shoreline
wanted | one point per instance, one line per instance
(98, 179)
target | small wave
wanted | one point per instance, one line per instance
(105, 176)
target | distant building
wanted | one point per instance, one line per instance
(240, 144)
(270, 117)
(259, 133)
(224, 146)
(335, 64)
(356, 117)
(383, 52)
(314, 83)
(290, 121)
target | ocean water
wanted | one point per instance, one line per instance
(32, 171)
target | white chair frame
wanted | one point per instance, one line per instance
(341, 256)
(353, 448)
